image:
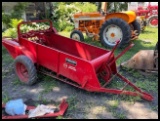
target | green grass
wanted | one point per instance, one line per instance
(72, 102)
(113, 103)
(16, 82)
(5, 97)
(48, 83)
(60, 117)
(41, 98)
(7, 62)
(4, 51)
(7, 58)
(155, 108)
(114, 109)
(148, 85)
(119, 115)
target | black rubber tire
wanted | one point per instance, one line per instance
(136, 26)
(29, 65)
(124, 26)
(144, 25)
(156, 47)
(150, 18)
(79, 34)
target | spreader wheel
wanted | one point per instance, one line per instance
(114, 29)
(77, 35)
(25, 70)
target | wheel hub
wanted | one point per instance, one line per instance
(154, 22)
(76, 36)
(22, 72)
(111, 34)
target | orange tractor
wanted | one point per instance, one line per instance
(106, 27)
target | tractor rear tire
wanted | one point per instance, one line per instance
(115, 29)
(25, 70)
(136, 26)
(77, 35)
(149, 21)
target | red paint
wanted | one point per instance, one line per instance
(22, 72)
(149, 11)
(62, 109)
(77, 61)
(154, 22)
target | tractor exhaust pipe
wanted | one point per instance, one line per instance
(104, 7)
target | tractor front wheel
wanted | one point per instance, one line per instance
(25, 70)
(77, 35)
(113, 30)
(152, 21)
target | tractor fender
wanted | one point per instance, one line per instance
(128, 16)
(132, 15)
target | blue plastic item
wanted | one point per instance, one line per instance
(15, 107)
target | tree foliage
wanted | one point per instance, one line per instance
(115, 6)
(15, 13)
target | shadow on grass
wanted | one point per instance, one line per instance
(142, 45)
(147, 32)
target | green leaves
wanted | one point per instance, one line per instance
(11, 32)
(15, 22)
(64, 11)
(15, 13)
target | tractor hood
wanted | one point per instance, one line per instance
(87, 14)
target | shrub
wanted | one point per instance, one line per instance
(62, 16)
(11, 32)
(18, 10)
(15, 22)
(86, 6)
(16, 13)
(6, 19)
(68, 28)
(63, 13)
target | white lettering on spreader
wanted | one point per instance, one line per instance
(69, 67)
(72, 68)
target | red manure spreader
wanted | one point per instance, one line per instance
(77, 63)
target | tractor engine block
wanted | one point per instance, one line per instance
(91, 26)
